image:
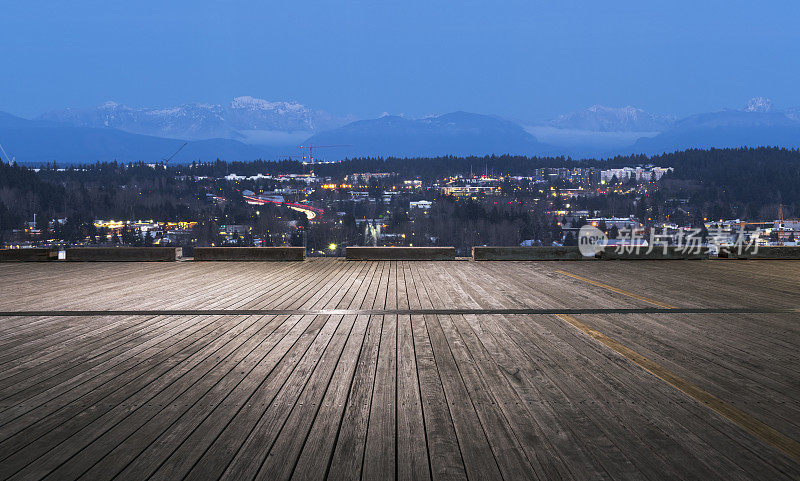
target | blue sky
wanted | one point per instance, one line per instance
(528, 60)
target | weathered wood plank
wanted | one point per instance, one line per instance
(393, 395)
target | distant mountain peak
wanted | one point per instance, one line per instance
(109, 105)
(253, 103)
(39, 141)
(625, 110)
(245, 118)
(613, 119)
(454, 133)
(758, 104)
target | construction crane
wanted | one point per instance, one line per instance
(781, 222)
(166, 160)
(8, 159)
(311, 148)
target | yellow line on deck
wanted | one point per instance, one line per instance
(618, 291)
(765, 433)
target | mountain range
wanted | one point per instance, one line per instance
(246, 119)
(457, 133)
(40, 141)
(728, 128)
(598, 118)
(247, 128)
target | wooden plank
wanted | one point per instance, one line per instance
(69, 438)
(412, 450)
(408, 396)
(511, 457)
(35, 376)
(294, 435)
(445, 458)
(348, 454)
(317, 455)
(192, 448)
(156, 464)
(381, 448)
(282, 458)
(379, 453)
(248, 460)
(627, 444)
(36, 417)
(718, 453)
(347, 459)
(762, 388)
(545, 403)
(677, 451)
(476, 449)
(60, 366)
(703, 430)
(109, 368)
(174, 418)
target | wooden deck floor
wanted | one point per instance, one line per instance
(407, 370)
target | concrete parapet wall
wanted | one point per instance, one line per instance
(122, 254)
(519, 253)
(763, 252)
(37, 254)
(658, 253)
(355, 253)
(249, 253)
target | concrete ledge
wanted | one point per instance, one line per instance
(249, 253)
(355, 253)
(672, 253)
(122, 254)
(37, 254)
(763, 252)
(519, 253)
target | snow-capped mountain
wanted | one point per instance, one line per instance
(247, 119)
(758, 104)
(757, 124)
(793, 113)
(115, 131)
(598, 130)
(599, 118)
(39, 141)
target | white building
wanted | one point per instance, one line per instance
(420, 204)
(639, 173)
(619, 222)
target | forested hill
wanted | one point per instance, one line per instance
(751, 167)
(764, 165)
(23, 190)
(742, 175)
(724, 183)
